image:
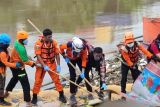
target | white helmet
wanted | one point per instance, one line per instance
(77, 44)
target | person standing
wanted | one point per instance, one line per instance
(19, 54)
(130, 52)
(47, 52)
(4, 62)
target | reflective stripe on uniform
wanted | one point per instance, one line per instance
(21, 75)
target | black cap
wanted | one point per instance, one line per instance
(47, 32)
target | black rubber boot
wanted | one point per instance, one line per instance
(62, 98)
(73, 100)
(34, 99)
(4, 103)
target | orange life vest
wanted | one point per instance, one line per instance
(47, 52)
(134, 55)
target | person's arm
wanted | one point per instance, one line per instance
(145, 51)
(40, 60)
(4, 60)
(102, 69)
(37, 49)
(63, 47)
(57, 52)
(84, 57)
(30, 63)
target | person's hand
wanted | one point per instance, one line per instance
(82, 75)
(67, 59)
(46, 68)
(155, 58)
(29, 57)
(104, 86)
(18, 64)
(34, 64)
(58, 68)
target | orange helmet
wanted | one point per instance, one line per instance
(128, 37)
(22, 35)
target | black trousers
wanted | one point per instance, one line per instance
(87, 70)
(73, 88)
(23, 80)
(79, 80)
(2, 84)
(124, 70)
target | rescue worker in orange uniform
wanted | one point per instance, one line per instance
(4, 62)
(19, 54)
(75, 53)
(130, 54)
(47, 52)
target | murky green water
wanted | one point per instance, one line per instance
(102, 22)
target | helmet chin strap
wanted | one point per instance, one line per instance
(75, 48)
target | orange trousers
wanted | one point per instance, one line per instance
(39, 75)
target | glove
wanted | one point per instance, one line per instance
(104, 86)
(67, 60)
(59, 68)
(155, 58)
(33, 65)
(39, 65)
(46, 68)
(82, 75)
(18, 65)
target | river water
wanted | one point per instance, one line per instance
(102, 22)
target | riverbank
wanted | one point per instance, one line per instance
(49, 98)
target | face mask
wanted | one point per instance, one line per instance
(25, 42)
(97, 57)
(130, 45)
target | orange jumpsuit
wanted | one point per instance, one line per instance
(47, 51)
(132, 58)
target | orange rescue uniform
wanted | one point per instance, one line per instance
(68, 49)
(4, 57)
(131, 58)
(47, 51)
